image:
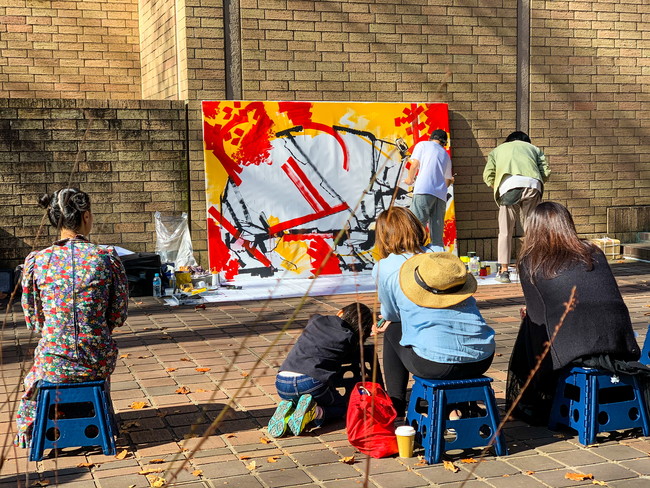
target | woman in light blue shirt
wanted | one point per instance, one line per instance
(434, 328)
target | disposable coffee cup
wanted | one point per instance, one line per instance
(405, 438)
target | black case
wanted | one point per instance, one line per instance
(140, 269)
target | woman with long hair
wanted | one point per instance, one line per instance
(598, 330)
(74, 294)
(433, 326)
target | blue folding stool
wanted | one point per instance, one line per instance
(591, 401)
(73, 415)
(430, 423)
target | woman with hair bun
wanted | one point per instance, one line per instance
(74, 294)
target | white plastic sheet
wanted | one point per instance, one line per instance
(173, 240)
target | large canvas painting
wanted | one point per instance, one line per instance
(293, 188)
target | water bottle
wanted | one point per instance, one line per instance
(475, 265)
(157, 286)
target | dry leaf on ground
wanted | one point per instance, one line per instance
(124, 356)
(264, 440)
(252, 465)
(151, 470)
(156, 481)
(138, 405)
(347, 460)
(85, 465)
(244, 457)
(201, 390)
(468, 461)
(184, 359)
(197, 472)
(170, 370)
(272, 459)
(529, 472)
(600, 483)
(578, 476)
(449, 466)
(41, 483)
(121, 454)
(421, 461)
(230, 436)
(143, 357)
(202, 370)
(156, 461)
(130, 425)
(244, 374)
(183, 390)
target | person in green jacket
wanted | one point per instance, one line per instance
(516, 170)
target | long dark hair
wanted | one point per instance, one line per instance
(65, 208)
(398, 231)
(552, 244)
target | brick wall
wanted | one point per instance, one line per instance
(128, 155)
(158, 50)
(69, 49)
(589, 109)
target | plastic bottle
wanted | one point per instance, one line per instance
(157, 286)
(474, 265)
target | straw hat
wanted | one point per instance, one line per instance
(436, 280)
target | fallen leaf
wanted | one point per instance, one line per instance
(498, 354)
(264, 440)
(251, 466)
(201, 390)
(85, 465)
(469, 461)
(421, 461)
(124, 356)
(190, 435)
(122, 454)
(347, 460)
(132, 486)
(184, 359)
(529, 472)
(578, 476)
(138, 405)
(151, 470)
(161, 414)
(130, 425)
(156, 481)
(272, 459)
(200, 307)
(156, 461)
(244, 374)
(197, 472)
(230, 436)
(202, 370)
(170, 370)
(600, 483)
(41, 483)
(143, 357)
(183, 390)
(449, 466)
(244, 457)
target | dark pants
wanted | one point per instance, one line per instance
(399, 361)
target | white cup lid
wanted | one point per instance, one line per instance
(405, 430)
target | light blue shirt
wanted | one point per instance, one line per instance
(451, 335)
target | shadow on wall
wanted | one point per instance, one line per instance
(13, 250)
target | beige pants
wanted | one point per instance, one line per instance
(530, 198)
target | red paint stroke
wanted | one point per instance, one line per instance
(323, 259)
(253, 146)
(282, 226)
(449, 232)
(304, 237)
(297, 176)
(300, 114)
(250, 248)
(219, 255)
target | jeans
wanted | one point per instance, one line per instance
(430, 211)
(327, 397)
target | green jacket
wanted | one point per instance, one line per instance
(515, 158)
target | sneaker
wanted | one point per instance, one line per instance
(304, 413)
(278, 423)
(503, 277)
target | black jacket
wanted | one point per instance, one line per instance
(600, 323)
(324, 345)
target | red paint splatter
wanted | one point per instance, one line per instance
(219, 254)
(449, 233)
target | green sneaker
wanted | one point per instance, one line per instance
(304, 413)
(278, 423)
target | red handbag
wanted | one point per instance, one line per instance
(370, 421)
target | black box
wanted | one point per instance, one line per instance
(140, 269)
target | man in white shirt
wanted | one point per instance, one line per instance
(432, 165)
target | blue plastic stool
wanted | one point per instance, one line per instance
(85, 417)
(592, 401)
(431, 422)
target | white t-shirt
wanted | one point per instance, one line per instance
(518, 181)
(435, 168)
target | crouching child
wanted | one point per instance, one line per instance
(304, 382)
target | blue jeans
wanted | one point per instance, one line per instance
(327, 397)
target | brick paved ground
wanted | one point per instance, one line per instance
(161, 349)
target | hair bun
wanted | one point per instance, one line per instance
(45, 200)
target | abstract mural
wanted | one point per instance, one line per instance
(293, 188)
